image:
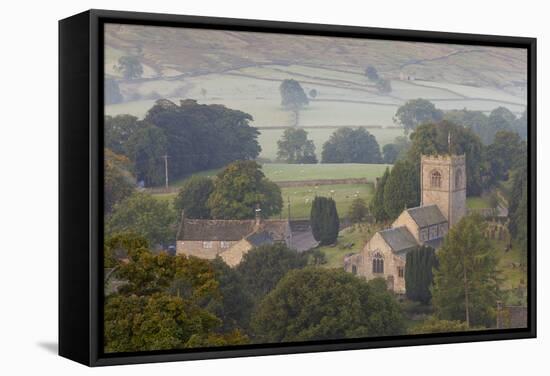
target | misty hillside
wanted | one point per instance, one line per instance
(168, 52)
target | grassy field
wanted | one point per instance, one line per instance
(350, 240)
(477, 203)
(293, 172)
(301, 198)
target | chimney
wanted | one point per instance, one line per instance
(258, 216)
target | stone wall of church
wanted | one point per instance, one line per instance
(362, 264)
(450, 196)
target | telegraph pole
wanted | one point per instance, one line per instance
(165, 156)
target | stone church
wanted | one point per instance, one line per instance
(443, 204)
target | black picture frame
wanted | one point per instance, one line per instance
(80, 185)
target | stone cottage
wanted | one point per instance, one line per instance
(232, 239)
(443, 204)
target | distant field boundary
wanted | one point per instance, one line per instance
(281, 184)
(311, 183)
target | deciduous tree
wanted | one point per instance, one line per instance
(321, 304)
(348, 145)
(193, 197)
(416, 112)
(239, 188)
(294, 147)
(144, 215)
(466, 281)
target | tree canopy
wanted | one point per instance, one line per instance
(320, 304)
(349, 145)
(293, 97)
(432, 138)
(294, 147)
(202, 137)
(416, 112)
(505, 153)
(130, 67)
(358, 210)
(372, 73)
(117, 130)
(239, 189)
(193, 197)
(143, 214)
(518, 206)
(377, 208)
(262, 267)
(118, 182)
(418, 273)
(466, 281)
(402, 188)
(146, 147)
(324, 220)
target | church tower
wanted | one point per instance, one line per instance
(443, 182)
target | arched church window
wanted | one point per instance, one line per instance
(436, 179)
(378, 264)
(458, 178)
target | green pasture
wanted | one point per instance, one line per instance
(294, 172)
(302, 197)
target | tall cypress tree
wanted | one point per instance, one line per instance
(377, 204)
(325, 223)
(418, 273)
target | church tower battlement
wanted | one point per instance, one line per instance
(443, 183)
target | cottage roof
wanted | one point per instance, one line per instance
(228, 229)
(399, 238)
(259, 238)
(426, 215)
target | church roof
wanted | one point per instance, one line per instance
(398, 238)
(426, 215)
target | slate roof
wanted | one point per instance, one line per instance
(426, 215)
(228, 229)
(399, 238)
(259, 238)
(435, 243)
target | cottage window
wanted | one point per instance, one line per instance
(224, 244)
(442, 229)
(433, 232)
(207, 245)
(400, 271)
(436, 179)
(378, 264)
(424, 235)
(354, 269)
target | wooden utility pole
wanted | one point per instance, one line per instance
(165, 156)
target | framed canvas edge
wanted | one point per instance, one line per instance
(98, 17)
